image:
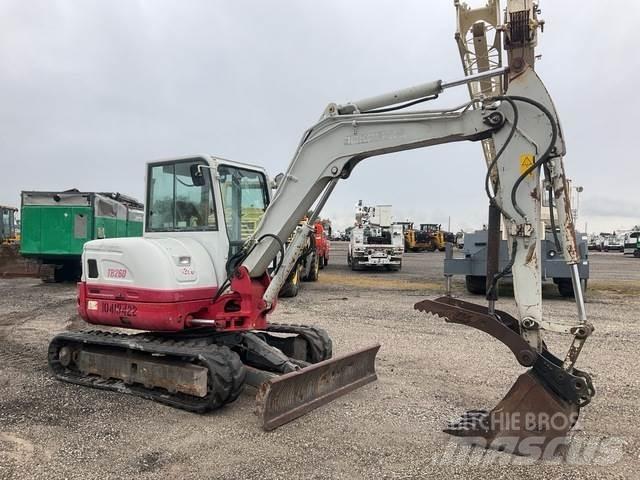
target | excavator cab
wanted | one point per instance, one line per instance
(182, 199)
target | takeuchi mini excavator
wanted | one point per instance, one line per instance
(203, 297)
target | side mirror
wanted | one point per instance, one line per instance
(277, 181)
(197, 177)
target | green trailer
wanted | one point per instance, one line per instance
(55, 226)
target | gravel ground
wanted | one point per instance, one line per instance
(428, 371)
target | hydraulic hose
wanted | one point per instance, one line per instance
(544, 158)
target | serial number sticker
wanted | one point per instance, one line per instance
(92, 305)
(526, 161)
(119, 309)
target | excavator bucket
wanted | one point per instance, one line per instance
(543, 404)
(286, 397)
(530, 420)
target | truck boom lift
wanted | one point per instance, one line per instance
(210, 344)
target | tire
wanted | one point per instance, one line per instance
(476, 284)
(230, 374)
(48, 275)
(565, 287)
(312, 276)
(292, 285)
(59, 274)
(355, 266)
(67, 272)
(636, 253)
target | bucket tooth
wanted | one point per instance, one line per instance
(289, 396)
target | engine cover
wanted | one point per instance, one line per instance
(145, 283)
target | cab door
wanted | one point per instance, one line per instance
(245, 197)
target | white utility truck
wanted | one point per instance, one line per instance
(375, 240)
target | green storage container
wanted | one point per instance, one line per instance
(55, 225)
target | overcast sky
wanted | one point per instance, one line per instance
(91, 90)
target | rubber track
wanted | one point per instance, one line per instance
(321, 347)
(226, 372)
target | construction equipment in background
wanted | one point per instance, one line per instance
(599, 242)
(376, 241)
(9, 229)
(313, 259)
(414, 240)
(322, 229)
(205, 311)
(308, 266)
(473, 263)
(11, 263)
(56, 225)
(436, 237)
(632, 243)
(607, 242)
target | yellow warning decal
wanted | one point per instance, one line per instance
(526, 161)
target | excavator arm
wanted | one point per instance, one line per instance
(523, 126)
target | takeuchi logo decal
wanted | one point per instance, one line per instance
(372, 137)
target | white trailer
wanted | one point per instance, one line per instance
(375, 240)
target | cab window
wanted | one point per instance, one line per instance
(176, 201)
(245, 198)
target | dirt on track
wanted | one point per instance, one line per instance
(428, 371)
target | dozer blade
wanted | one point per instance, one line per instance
(289, 396)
